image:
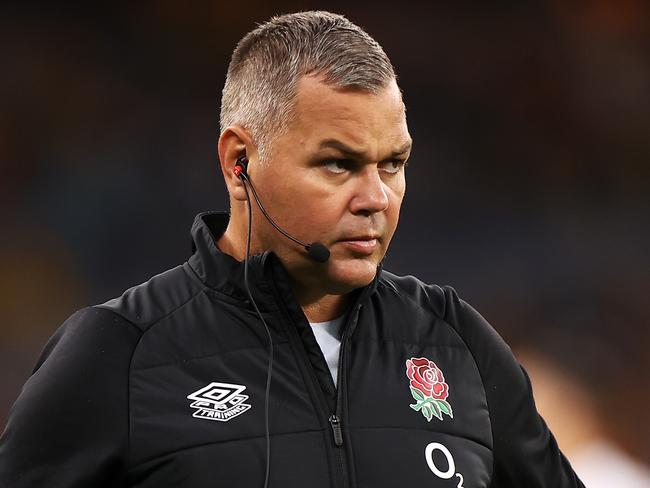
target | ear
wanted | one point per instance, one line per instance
(234, 142)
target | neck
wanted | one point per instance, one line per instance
(231, 241)
(321, 307)
(317, 305)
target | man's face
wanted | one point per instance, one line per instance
(336, 177)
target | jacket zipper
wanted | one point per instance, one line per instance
(335, 418)
(336, 429)
(335, 421)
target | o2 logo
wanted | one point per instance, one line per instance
(448, 473)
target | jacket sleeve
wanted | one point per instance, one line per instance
(69, 426)
(525, 451)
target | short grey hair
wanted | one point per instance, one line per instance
(260, 89)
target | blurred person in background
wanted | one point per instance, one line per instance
(127, 393)
(584, 352)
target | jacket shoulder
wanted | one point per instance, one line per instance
(145, 304)
(81, 376)
(445, 303)
(424, 295)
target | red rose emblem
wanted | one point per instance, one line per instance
(427, 377)
(428, 388)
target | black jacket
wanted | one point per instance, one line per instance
(164, 387)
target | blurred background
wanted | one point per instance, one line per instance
(528, 185)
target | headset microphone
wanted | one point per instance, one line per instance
(315, 250)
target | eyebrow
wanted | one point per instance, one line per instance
(353, 153)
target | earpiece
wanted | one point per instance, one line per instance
(241, 166)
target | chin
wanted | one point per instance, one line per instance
(346, 276)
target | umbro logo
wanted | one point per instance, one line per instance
(219, 401)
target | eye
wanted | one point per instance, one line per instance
(392, 167)
(337, 166)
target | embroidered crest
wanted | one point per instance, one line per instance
(219, 401)
(428, 388)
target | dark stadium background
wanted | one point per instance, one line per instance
(527, 189)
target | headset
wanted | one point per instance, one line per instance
(315, 250)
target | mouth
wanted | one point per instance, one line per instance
(363, 245)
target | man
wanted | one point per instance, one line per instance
(375, 380)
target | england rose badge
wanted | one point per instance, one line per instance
(428, 388)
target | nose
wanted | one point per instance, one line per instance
(370, 193)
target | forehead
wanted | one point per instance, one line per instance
(364, 119)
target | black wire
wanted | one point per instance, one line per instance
(268, 332)
(259, 204)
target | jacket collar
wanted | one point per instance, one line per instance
(225, 274)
